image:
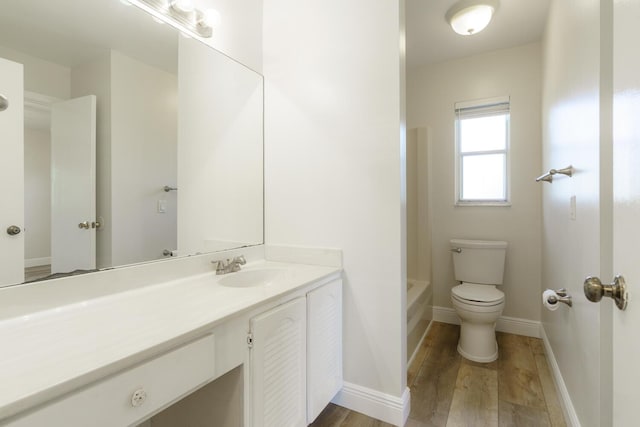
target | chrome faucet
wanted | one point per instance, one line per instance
(229, 265)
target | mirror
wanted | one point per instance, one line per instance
(139, 143)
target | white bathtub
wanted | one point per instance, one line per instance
(419, 312)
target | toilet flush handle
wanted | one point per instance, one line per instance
(456, 250)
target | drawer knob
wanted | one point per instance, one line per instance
(138, 397)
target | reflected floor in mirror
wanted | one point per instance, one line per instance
(448, 390)
(37, 272)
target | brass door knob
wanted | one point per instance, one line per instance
(13, 230)
(84, 224)
(594, 290)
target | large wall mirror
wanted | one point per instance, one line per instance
(123, 141)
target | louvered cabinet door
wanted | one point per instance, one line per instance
(324, 347)
(278, 366)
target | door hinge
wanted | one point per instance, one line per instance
(250, 340)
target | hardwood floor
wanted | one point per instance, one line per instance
(450, 391)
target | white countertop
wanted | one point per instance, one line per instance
(46, 354)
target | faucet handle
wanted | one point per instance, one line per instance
(240, 260)
(221, 266)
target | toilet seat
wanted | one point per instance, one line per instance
(478, 295)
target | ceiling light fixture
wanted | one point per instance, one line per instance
(185, 16)
(468, 17)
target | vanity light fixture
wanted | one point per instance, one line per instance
(188, 18)
(468, 17)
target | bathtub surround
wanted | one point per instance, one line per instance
(419, 290)
(432, 92)
(334, 144)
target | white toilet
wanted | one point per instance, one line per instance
(478, 266)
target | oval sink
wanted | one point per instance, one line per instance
(249, 278)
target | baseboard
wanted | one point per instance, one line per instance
(570, 414)
(511, 325)
(36, 262)
(384, 407)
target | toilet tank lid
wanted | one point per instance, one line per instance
(478, 244)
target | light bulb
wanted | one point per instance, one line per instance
(184, 6)
(210, 18)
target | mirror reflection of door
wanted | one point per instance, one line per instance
(59, 176)
(11, 172)
(73, 185)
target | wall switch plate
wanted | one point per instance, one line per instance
(162, 206)
(572, 208)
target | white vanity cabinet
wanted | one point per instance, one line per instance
(288, 367)
(296, 358)
(324, 347)
(132, 395)
(278, 366)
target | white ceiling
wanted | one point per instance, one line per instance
(72, 32)
(431, 40)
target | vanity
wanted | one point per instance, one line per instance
(141, 149)
(120, 358)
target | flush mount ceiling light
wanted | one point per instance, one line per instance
(468, 17)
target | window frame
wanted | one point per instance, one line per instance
(483, 107)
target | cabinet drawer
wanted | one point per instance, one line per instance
(132, 395)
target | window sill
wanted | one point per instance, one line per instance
(489, 204)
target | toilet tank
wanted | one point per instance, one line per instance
(478, 261)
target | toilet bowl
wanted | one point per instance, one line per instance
(478, 309)
(479, 267)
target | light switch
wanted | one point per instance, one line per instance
(572, 208)
(162, 206)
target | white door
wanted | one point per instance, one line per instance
(11, 172)
(278, 367)
(73, 185)
(626, 193)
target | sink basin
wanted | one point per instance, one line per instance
(249, 278)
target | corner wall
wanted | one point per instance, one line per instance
(334, 172)
(432, 93)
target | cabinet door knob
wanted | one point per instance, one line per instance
(138, 397)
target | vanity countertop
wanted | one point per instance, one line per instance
(48, 353)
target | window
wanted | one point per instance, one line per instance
(482, 152)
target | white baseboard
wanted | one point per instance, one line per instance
(385, 407)
(511, 325)
(35, 262)
(570, 414)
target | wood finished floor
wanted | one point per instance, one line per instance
(450, 391)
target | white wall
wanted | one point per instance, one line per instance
(239, 34)
(432, 92)
(575, 249)
(220, 152)
(37, 194)
(144, 120)
(413, 234)
(334, 129)
(41, 76)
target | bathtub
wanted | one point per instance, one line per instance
(419, 313)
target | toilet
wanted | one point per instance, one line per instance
(479, 267)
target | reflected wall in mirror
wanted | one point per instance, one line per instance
(107, 110)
